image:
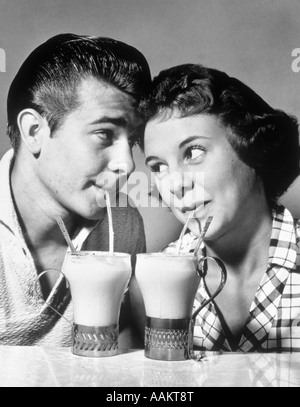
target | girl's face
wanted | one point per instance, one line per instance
(196, 168)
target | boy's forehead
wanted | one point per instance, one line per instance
(90, 89)
(99, 98)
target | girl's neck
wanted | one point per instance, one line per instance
(245, 248)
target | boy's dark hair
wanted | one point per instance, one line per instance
(48, 79)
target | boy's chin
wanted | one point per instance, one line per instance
(95, 215)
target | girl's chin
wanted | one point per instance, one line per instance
(195, 227)
(195, 224)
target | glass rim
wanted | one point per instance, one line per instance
(162, 254)
(97, 254)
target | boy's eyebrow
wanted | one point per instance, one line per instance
(117, 121)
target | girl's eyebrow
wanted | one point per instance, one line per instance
(181, 145)
(190, 139)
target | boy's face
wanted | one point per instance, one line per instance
(90, 151)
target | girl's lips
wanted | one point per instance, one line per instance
(200, 210)
(197, 208)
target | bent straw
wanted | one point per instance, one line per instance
(203, 233)
(183, 232)
(64, 231)
(110, 224)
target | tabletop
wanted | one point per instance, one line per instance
(58, 367)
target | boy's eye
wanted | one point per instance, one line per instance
(104, 134)
(104, 137)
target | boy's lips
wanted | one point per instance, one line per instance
(103, 189)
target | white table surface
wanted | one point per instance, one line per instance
(58, 367)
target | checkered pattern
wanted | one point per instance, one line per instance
(273, 324)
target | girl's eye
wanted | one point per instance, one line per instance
(158, 168)
(195, 153)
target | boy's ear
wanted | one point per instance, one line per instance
(33, 129)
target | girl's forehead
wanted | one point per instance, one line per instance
(176, 129)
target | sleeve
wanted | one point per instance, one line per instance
(129, 232)
(130, 238)
(138, 238)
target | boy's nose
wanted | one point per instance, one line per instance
(121, 162)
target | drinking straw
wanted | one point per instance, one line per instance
(65, 233)
(110, 224)
(183, 231)
(202, 235)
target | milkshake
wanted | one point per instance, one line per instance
(168, 284)
(98, 281)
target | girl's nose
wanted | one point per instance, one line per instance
(180, 183)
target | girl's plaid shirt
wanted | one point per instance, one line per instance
(273, 324)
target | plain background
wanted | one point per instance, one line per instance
(252, 40)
